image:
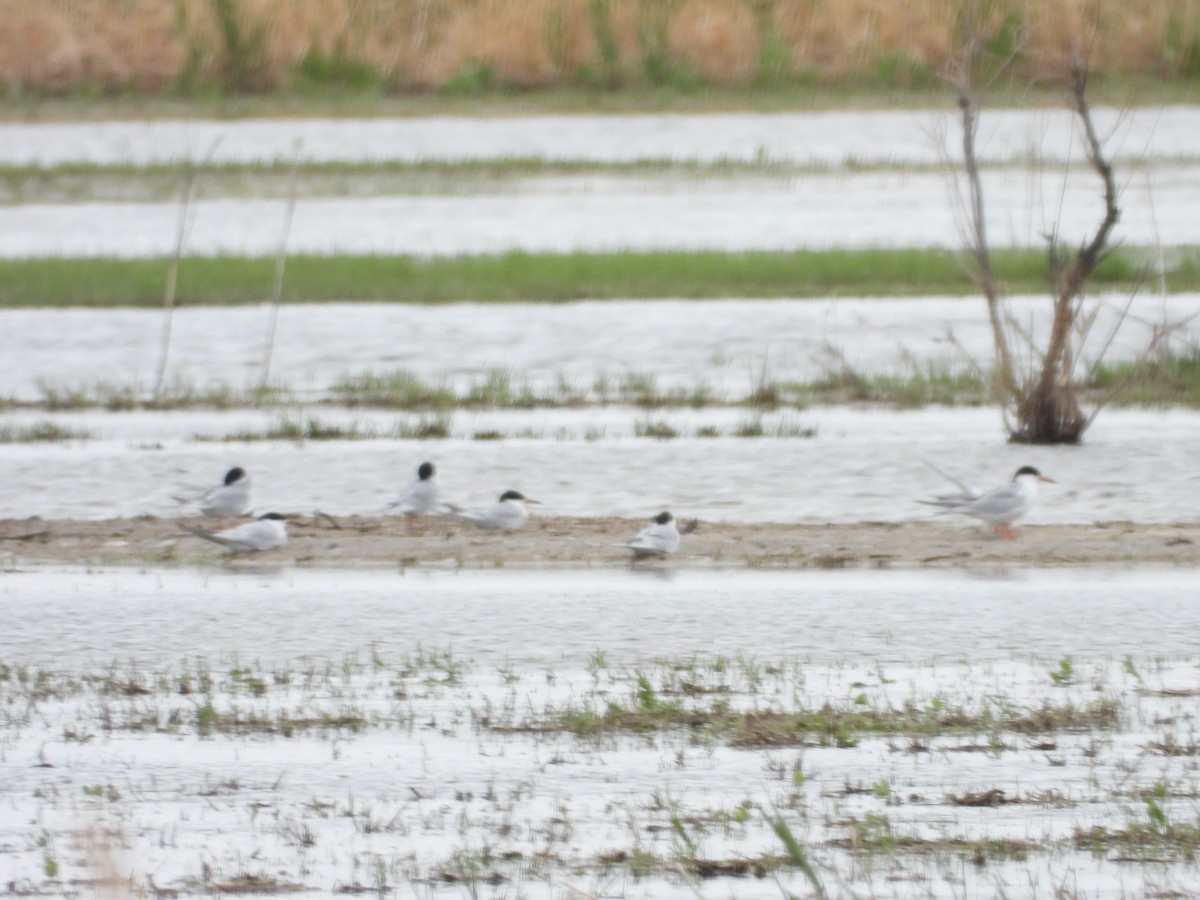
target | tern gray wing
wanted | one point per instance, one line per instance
(966, 493)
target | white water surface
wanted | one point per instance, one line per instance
(729, 346)
(552, 619)
(428, 788)
(436, 664)
(918, 136)
(842, 207)
(604, 214)
(863, 465)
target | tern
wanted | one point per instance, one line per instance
(264, 533)
(1000, 507)
(658, 538)
(230, 498)
(422, 497)
(507, 514)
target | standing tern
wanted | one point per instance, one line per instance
(264, 533)
(507, 514)
(658, 538)
(421, 498)
(1000, 507)
(230, 498)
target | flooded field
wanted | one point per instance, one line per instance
(605, 214)
(915, 137)
(608, 734)
(725, 346)
(844, 188)
(730, 463)
(672, 732)
(860, 465)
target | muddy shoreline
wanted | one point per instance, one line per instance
(564, 542)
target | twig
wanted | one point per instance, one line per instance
(319, 516)
(280, 261)
(1090, 254)
(183, 229)
(976, 221)
(689, 879)
(971, 361)
(1158, 336)
(1112, 334)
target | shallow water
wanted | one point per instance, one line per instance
(729, 346)
(429, 798)
(846, 208)
(862, 465)
(558, 619)
(433, 796)
(834, 138)
(602, 215)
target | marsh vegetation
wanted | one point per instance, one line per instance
(421, 729)
(1168, 379)
(215, 48)
(733, 769)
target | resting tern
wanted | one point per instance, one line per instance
(507, 514)
(422, 497)
(230, 498)
(1000, 507)
(264, 533)
(658, 538)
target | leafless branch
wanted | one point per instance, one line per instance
(1159, 336)
(1112, 333)
(979, 247)
(1091, 253)
(971, 361)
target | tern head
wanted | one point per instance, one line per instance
(663, 518)
(426, 471)
(515, 495)
(1030, 470)
(237, 473)
(274, 516)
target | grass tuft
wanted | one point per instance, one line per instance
(40, 433)
(1172, 379)
(400, 389)
(289, 427)
(1168, 379)
(659, 429)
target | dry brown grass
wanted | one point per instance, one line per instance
(60, 45)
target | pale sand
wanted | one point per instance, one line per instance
(564, 542)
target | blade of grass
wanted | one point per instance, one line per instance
(796, 853)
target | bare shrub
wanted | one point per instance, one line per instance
(1036, 376)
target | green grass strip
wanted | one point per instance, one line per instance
(542, 277)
